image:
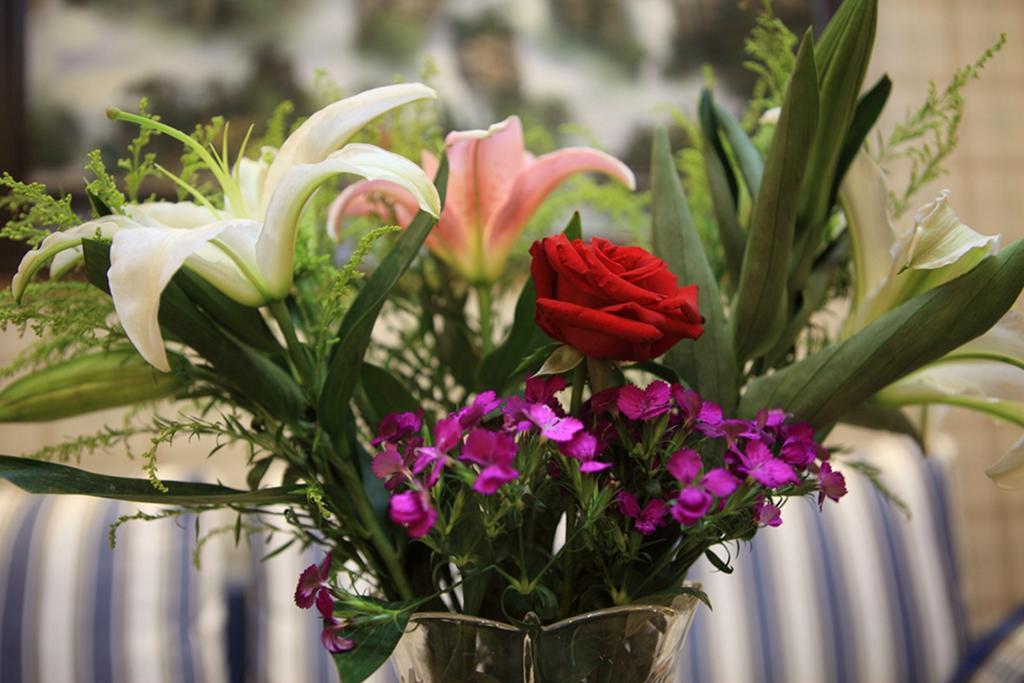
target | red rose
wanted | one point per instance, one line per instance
(611, 302)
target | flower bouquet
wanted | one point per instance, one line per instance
(501, 450)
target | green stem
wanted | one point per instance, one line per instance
(295, 352)
(483, 295)
(354, 486)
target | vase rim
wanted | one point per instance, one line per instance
(680, 602)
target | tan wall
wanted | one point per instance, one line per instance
(922, 40)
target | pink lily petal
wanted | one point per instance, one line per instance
(380, 198)
(483, 166)
(539, 178)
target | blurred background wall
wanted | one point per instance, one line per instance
(600, 71)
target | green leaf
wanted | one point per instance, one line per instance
(253, 375)
(357, 325)
(562, 360)
(574, 230)
(842, 55)
(244, 323)
(535, 360)
(747, 156)
(719, 564)
(374, 644)
(759, 313)
(869, 108)
(87, 383)
(870, 416)
(822, 388)
(707, 364)
(98, 206)
(382, 394)
(721, 186)
(37, 476)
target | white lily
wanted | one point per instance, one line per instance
(892, 267)
(1008, 471)
(245, 249)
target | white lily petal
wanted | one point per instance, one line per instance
(940, 239)
(142, 262)
(250, 176)
(275, 248)
(171, 214)
(1008, 471)
(865, 199)
(59, 242)
(332, 126)
(64, 261)
(1004, 342)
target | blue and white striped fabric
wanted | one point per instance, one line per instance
(858, 592)
(74, 611)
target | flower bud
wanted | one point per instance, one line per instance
(84, 384)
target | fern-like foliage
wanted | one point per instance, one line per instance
(36, 213)
(67, 317)
(103, 186)
(193, 168)
(770, 48)
(139, 164)
(929, 134)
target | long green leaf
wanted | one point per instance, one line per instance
(244, 323)
(759, 313)
(842, 57)
(821, 388)
(253, 375)
(37, 476)
(747, 156)
(869, 108)
(382, 393)
(374, 644)
(721, 188)
(707, 364)
(357, 325)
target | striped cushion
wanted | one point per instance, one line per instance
(73, 611)
(855, 593)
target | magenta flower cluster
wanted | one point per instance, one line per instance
(314, 589)
(699, 460)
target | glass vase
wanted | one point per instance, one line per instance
(631, 644)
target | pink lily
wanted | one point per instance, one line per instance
(494, 186)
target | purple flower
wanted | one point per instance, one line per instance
(768, 470)
(551, 425)
(688, 400)
(313, 588)
(583, 447)
(692, 503)
(495, 452)
(396, 426)
(767, 514)
(448, 433)
(645, 404)
(432, 457)
(830, 484)
(604, 400)
(646, 520)
(389, 465)
(471, 415)
(412, 510)
(332, 639)
(684, 465)
(543, 389)
(720, 483)
(799, 448)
